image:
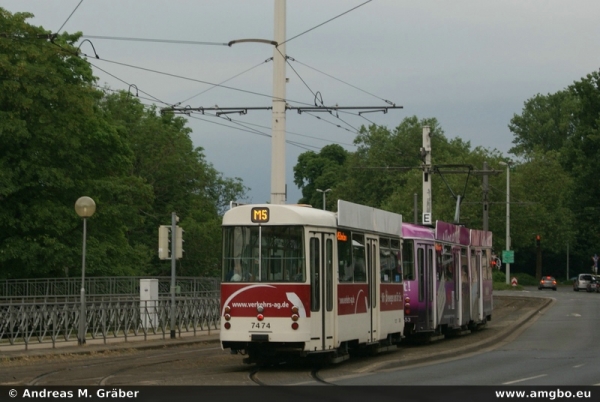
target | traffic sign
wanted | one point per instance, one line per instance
(514, 282)
(508, 256)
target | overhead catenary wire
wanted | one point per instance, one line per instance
(205, 82)
(342, 81)
(69, 17)
(172, 41)
(229, 79)
(127, 83)
(251, 131)
(323, 23)
(303, 135)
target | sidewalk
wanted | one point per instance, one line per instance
(13, 352)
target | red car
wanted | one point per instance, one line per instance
(547, 282)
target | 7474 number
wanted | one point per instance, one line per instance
(261, 325)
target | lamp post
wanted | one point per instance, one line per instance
(508, 165)
(85, 208)
(324, 198)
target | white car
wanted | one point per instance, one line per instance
(582, 281)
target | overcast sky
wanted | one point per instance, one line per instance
(469, 63)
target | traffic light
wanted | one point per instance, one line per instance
(164, 252)
(179, 240)
(537, 240)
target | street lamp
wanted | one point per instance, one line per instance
(324, 192)
(508, 165)
(85, 208)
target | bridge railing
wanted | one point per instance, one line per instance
(122, 285)
(31, 313)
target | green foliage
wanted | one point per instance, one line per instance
(524, 279)
(60, 139)
(499, 276)
(558, 136)
(506, 286)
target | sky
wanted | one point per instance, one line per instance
(470, 64)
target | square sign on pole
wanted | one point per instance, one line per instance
(508, 256)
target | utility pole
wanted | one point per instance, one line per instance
(278, 195)
(174, 219)
(538, 259)
(485, 198)
(426, 157)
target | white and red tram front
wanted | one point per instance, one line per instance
(285, 289)
(270, 303)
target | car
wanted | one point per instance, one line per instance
(594, 284)
(547, 282)
(581, 282)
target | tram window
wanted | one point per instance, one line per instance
(421, 269)
(430, 268)
(315, 256)
(358, 257)
(329, 275)
(267, 253)
(408, 260)
(384, 265)
(390, 264)
(445, 262)
(344, 244)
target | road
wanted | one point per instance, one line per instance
(559, 348)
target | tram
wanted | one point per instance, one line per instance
(447, 279)
(306, 282)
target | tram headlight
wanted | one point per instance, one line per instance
(295, 317)
(407, 299)
(227, 317)
(260, 309)
(295, 310)
(227, 309)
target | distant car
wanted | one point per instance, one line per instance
(581, 282)
(547, 282)
(594, 285)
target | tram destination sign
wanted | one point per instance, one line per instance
(259, 215)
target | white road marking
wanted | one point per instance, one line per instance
(524, 379)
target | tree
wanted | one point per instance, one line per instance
(61, 138)
(319, 171)
(181, 180)
(54, 149)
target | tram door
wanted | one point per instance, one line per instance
(475, 285)
(321, 264)
(426, 277)
(373, 268)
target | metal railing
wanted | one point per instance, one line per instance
(100, 286)
(30, 313)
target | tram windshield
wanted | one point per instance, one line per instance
(263, 254)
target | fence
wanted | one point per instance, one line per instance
(48, 310)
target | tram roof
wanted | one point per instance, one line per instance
(413, 231)
(281, 214)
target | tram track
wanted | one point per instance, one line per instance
(286, 375)
(100, 372)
